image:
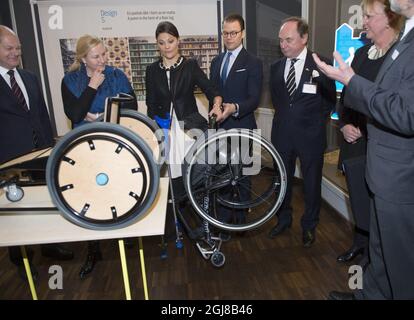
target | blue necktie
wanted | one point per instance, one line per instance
(225, 68)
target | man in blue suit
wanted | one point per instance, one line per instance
(303, 98)
(239, 76)
(24, 120)
(241, 83)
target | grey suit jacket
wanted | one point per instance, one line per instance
(389, 103)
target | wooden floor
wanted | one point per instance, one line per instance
(256, 267)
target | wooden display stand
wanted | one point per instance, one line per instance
(35, 220)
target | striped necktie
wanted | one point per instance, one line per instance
(18, 93)
(291, 80)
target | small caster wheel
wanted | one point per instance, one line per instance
(218, 259)
(14, 193)
(179, 244)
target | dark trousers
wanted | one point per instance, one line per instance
(390, 274)
(359, 198)
(311, 168)
(16, 257)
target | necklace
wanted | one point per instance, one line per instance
(375, 53)
(175, 65)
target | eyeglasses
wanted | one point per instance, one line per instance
(232, 34)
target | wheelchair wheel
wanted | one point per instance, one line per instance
(235, 179)
(218, 259)
(144, 127)
(102, 176)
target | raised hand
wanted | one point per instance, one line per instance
(343, 73)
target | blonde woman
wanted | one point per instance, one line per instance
(90, 81)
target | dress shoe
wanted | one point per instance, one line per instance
(308, 238)
(91, 260)
(57, 252)
(350, 254)
(337, 295)
(278, 229)
(22, 272)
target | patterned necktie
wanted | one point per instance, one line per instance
(17, 91)
(225, 69)
(291, 80)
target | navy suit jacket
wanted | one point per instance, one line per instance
(300, 122)
(243, 86)
(17, 125)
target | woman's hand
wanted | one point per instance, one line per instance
(97, 78)
(217, 108)
(351, 133)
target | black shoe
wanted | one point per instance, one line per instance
(337, 295)
(308, 238)
(89, 264)
(279, 228)
(350, 254)
(22, 272)
(57, 251)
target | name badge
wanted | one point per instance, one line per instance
(309, 88)
(395, 54)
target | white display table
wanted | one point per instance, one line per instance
(21, 224)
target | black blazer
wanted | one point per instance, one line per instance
(368, 69)
(17, 125)
(301, 123)
(183, 80)
(243, 86)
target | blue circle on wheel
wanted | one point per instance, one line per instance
(102, 179)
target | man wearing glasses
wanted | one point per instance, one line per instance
(238, 75)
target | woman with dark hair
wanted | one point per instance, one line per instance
(170, 81)
(382, 27)
(170, 85)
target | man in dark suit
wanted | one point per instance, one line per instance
(241, 83)
(24, 120)
(239, 76)
(389, 104)
(303, 99)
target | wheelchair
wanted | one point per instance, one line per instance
(236, 171)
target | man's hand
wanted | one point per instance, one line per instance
(351, 133)
(343, 73)
(226, 110)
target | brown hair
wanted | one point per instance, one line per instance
(395, 20)
(235, 17)
(302, 25)
(83, 46)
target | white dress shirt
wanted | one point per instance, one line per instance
(299, 65)
(409, 24)
(233, 58)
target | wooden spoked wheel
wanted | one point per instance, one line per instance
(102, 176)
